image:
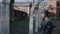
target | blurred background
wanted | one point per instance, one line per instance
(15, 15)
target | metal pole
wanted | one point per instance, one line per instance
(31, 16)
(31, 21)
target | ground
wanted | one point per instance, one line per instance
(21, 26)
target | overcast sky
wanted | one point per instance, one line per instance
(0, 0)
(24, 0)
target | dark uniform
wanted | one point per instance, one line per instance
(47, 26)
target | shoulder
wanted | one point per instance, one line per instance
(49, 23)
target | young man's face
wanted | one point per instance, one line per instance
(43, 15)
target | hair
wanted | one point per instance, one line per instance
(46, 13)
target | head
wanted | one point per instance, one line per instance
(45, 14)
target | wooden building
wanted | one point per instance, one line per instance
(53, 7)
(23, 6)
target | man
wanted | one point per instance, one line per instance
(47, 25)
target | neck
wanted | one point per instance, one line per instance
(46, 18)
